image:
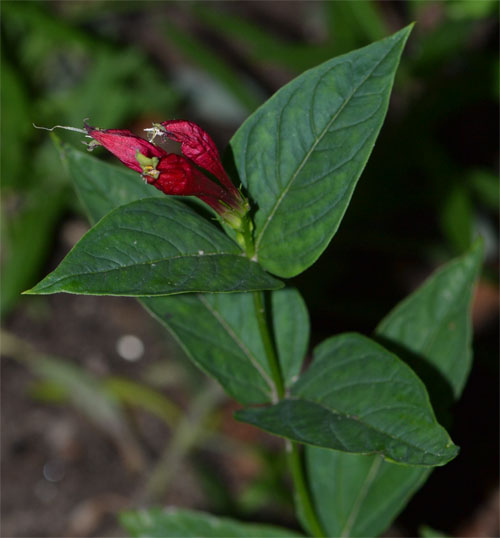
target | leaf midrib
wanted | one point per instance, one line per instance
(363, 492)
(241, 345)
(367, 425)
(134, 265)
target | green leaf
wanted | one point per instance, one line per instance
(173, 522)
(301, 153)
(219, 332)
(432, 325)
(358, 397)
(26, 238)
(154, 247)
(291, 331)
(102, 186)
(359, 495)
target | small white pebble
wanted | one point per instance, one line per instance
(129, 347)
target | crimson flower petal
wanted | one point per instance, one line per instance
(178, 176)
(197, 145)
(124, 144)
(175, 174)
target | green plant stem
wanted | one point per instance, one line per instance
(294, 458)
(247, 227)
(265, 335)
(302, 490)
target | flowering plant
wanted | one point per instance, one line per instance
(175, 174)
(361, 434)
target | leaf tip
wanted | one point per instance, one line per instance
(38, 289)
(32, 291)
(404, 33)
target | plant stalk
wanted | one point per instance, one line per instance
(248, 244)
(265, 335)
(295, 461)
(302, 490)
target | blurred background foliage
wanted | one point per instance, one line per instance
(430, 186)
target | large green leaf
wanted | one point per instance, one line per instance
(302, 152)
(173, 522)
(361, 495)
(219, 332)
(358, 397)
(155, 247)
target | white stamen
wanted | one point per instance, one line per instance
(153, 132)
(66, 127)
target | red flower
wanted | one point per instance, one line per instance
(125, 145)
(197, 146)
(176, 174)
